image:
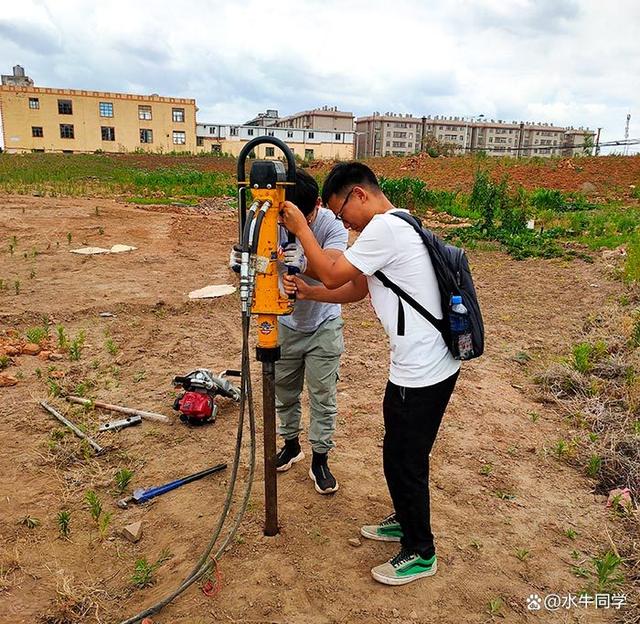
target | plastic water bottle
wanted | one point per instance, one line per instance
(460, 329)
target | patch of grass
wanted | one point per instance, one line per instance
(103, 524)
(111, 346)
(144, 572)
(570, 533)
(75, 346)
(139, 376)
(123, 478)
(594, 466)
(522, 554)
(495, 606)
(94, 504)
(30, 522)
(504, 495)
(486, 470)
(62, 338)
(607, 576)
(16, 286)
(63, 520)
(5, 361)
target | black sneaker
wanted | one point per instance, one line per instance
(324, 481)
(288, 455)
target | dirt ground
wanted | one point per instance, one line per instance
(309, 573)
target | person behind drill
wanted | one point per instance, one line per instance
(422, 372)
(311, 345)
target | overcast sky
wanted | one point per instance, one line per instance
(561, 61)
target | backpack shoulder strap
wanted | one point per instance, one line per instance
(437, 323)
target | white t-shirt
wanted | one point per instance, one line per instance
(388, 244)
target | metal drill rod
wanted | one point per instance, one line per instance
(94, 445)
(269, 429)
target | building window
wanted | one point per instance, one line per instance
(233, 131)
(178, 114)
(34, 103)
(289, 134)
(108, 133)
(212, 129)
(36, 131)
(338, 136)
(65, 107)
(66, 131)
(216, 149)
(308, 154)
(199, 141)
(179, 137)
(106, 109)
(269, 132)
(388, 144)
(269, 151)
(250, 131)
(311, 136)
(144, 112)
(146, 135)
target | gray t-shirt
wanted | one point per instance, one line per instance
(309, 315)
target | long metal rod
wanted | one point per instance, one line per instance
(269, 426)
(119, 408)
(94, 445)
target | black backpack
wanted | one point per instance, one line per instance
(454, 278)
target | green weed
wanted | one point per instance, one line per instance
(607, 574)
(37, 334)
(123, 478)
(94, 504)
(30, 522)
(111, 346)
(594, 466)
(63, 520)
(144, 572)
(495, 606)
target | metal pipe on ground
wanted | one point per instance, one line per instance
(94, 445)
(119, 408)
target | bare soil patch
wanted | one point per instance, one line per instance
(309, 573)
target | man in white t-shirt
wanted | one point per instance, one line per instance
(422, 372)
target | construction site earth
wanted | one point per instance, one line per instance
(140, 329)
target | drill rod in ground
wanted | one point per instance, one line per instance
(94, 445)
(118, 408)
(269, 426)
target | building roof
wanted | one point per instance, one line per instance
(100, 94)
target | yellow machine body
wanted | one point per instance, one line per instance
(268, 301)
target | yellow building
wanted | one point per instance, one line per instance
(39, 119)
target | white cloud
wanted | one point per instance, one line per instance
(562, 61)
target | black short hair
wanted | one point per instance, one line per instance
(345, 175)
(306, 192)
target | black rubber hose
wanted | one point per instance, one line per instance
(204, 564)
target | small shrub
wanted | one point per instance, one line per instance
(62, 338)
(522, 554)
(5, 361)
(103, 524)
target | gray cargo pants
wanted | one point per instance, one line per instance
(316, 357)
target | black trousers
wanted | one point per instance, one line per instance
(412, 417)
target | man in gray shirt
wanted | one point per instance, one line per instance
(311, 345)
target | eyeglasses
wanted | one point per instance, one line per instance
(344, 203)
